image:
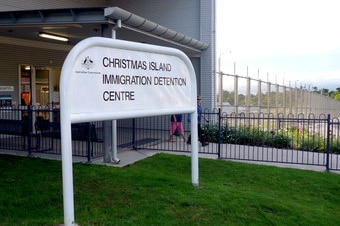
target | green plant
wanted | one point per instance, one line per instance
(279, 140)
(210, 132)
(229, 135)
(313, 142)
(299, 139)
(335, 148)
(335, 145)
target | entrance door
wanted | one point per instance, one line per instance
(39, 86)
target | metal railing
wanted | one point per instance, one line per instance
(37, 129)
(266, 137)
(292, 139)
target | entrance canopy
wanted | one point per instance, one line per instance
(79, 23)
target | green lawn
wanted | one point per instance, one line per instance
(158, 191)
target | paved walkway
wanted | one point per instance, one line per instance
(128, 157)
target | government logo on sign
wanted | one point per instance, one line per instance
(87, 63)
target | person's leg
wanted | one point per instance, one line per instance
(172, 130)
(180, 129)
(199, 128)
(201, 137)
(189, 139)
(199, 131)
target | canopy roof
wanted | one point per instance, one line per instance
(80, 23)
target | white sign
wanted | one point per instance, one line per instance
(125, 80)
(106, 79)
(6, 88)
(129, 77)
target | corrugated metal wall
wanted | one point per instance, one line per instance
(208, 62)
(195, 18)
(182, 16)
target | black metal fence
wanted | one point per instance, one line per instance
(292, 139)
(299, 139)
(37, 129)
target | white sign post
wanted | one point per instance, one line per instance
(105, 79)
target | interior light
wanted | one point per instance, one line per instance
(55, 37)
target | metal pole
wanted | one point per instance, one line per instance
(219, 133)
(67, 170)
(328, 141)
(107, 145)
(236, 94)
(248, 104)
(114, 150)
(110, 149)
(259, 92)
(277, 99)
(268, 94)
(220, 91)
(194, 149)
(114, 142)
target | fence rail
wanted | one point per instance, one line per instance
(294, 139)
(266, 137)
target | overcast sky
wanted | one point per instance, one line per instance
(291, 40)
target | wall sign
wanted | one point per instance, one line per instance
(6, 88)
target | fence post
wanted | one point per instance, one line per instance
(219, 133)
(328, 141)
(107, 129)
(134, 133)
(29, 130)
(88, 142)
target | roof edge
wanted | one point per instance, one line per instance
(148, 26)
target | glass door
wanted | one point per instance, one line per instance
(25, 79)
(42, 89)
(34, 85)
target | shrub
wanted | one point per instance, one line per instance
(335, 145)
(334, 148)
(245, 135)
(279, 140)
(296, 138)
(210, 132)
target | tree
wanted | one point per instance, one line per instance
(337, 96)
(325, 92)
(315, 89)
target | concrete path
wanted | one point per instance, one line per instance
(129, 157)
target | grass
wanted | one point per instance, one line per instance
(158, 191)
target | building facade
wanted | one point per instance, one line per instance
(30, 65)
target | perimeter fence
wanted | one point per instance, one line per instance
(243, 94)
(292, 139)
(306, 139)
